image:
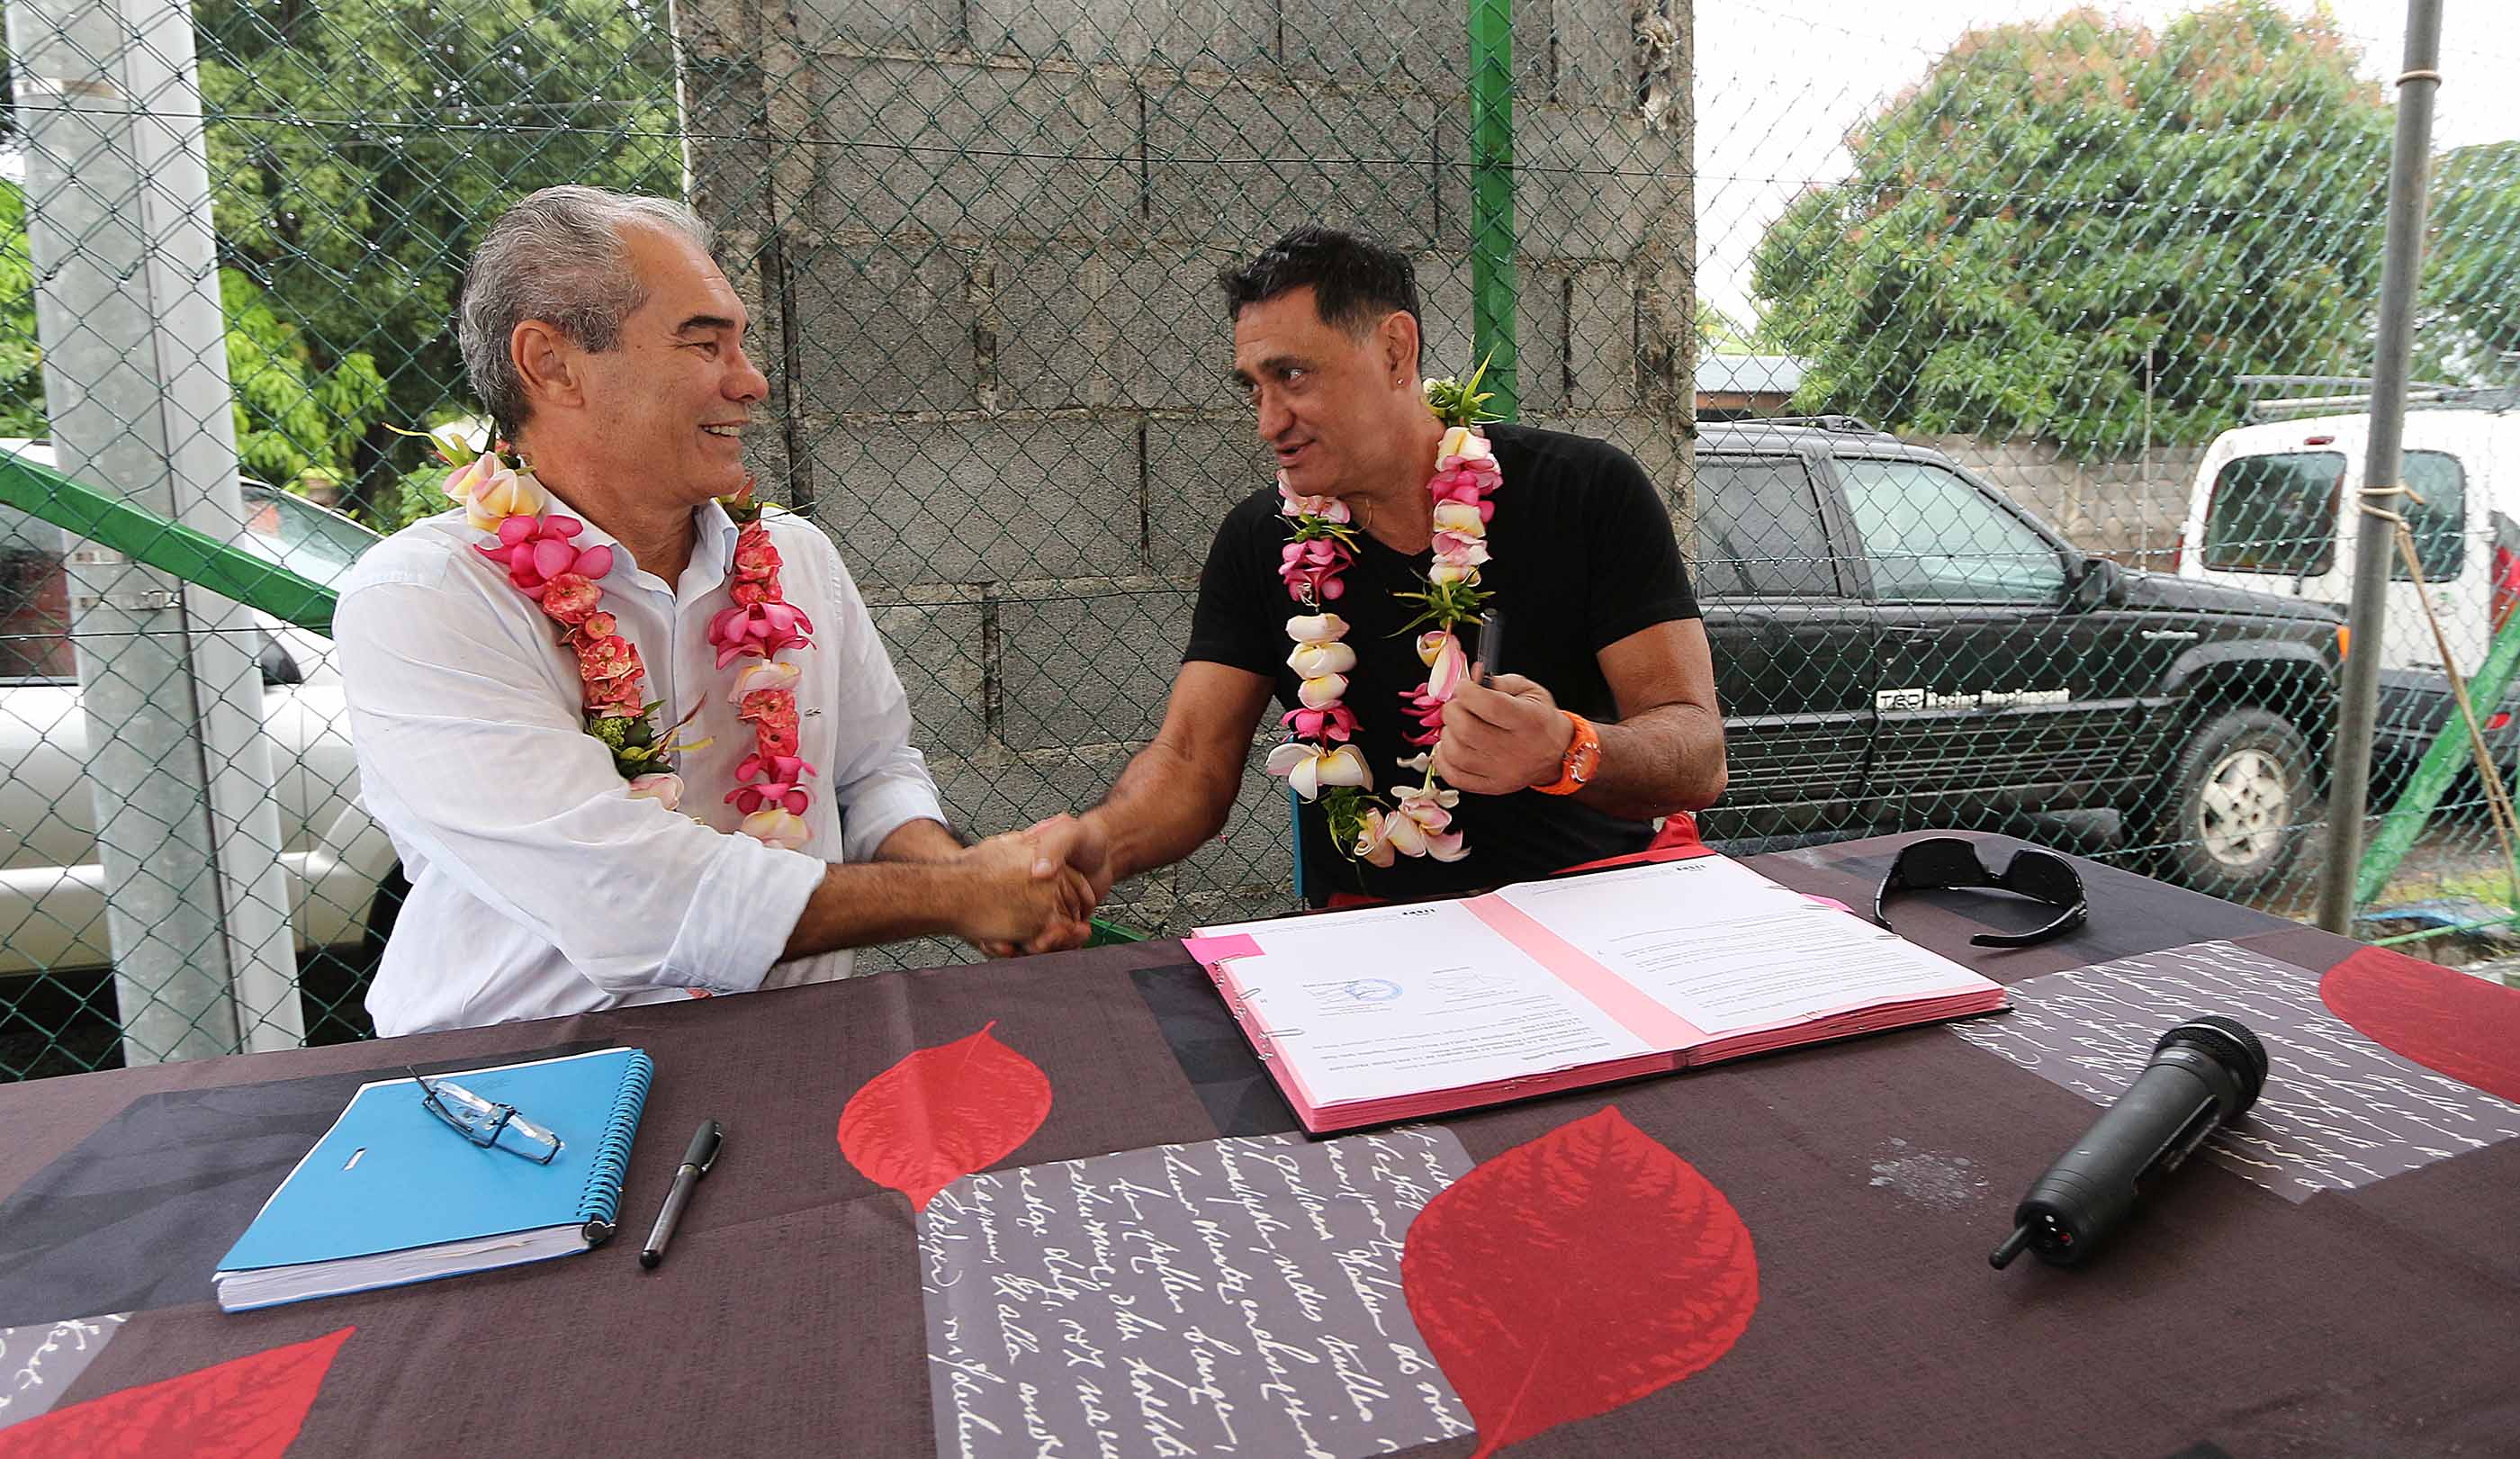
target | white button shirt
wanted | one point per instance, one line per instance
(538, 886)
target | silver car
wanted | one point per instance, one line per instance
(52, 889)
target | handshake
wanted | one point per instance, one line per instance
(1036, 889)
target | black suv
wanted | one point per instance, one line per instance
(1898, 643)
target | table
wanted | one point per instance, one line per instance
(1874, 1176)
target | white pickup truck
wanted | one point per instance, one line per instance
(52, 889)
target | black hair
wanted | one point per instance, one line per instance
(1355, 279)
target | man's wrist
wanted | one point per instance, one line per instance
(1579, 760)
(921, 840)
(965, 890)
(1096, 822)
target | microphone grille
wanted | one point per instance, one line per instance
(2231, 1044)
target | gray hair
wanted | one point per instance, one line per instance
(557, 256)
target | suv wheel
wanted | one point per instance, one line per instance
(2232, 807)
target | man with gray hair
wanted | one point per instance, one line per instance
(506, 663)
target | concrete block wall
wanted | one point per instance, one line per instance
(980, 238)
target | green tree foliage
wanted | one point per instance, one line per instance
(21, 358)
(356, 147)
(2473, 274)
(290, 418)
(2058, 207)
(356, 150)
(290, 414)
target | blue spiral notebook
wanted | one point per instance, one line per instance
(394, 1194)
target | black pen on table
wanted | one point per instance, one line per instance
(697, 1161)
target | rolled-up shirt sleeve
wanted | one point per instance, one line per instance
(882, 784)
(470, 753)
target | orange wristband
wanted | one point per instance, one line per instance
(1583, 758)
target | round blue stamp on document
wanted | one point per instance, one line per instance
(1372, 990)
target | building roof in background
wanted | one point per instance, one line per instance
(1748, 374)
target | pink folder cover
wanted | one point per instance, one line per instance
(1679, 1043)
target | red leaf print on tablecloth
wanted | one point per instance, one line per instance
(247, 1408)
(1574, 1274)
(942, 1113)
(2451, 1023)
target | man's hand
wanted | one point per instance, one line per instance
(1010, 903)
(1502, 737)
(1060, 845)
(1077, 842)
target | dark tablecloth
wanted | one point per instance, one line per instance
(787, 1320)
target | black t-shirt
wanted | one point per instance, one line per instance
(1582, 555)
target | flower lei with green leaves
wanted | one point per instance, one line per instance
(1318, 760)
(538, 549)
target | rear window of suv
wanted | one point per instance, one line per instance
(2277, 514)
(2439, 521)
(2274, 514)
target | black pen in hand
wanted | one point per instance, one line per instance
(1491, 637)
(696, 1163)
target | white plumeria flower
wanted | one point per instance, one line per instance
(1426, 814)
(1311, 660)
(1460, 516)
(664, 787)
(1445, 573)
(1419, 763)
(457, 443)
(1445, 673)
(765, 675)
(1413, 797)
(1468, 552)
(776, 826)
(1323, 691)
(1373, 839)
(1316, 627)
(1462, 442)
(1309, 769)
(1290, 503)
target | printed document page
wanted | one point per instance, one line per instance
(1388, 1002)
(1729, 950)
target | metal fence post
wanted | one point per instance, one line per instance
(135, 373)
(2374, 542)
(1493, 288)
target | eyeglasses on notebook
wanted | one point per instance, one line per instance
(485, 1122)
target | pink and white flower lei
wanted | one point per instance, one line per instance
(539, 550)
(1319, 761)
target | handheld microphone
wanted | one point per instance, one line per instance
(2203, 1073)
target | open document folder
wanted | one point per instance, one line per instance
(1400, 1012)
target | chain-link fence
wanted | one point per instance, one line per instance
(2044, 254)
(2122, 265)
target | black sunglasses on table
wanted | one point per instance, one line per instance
(1947, 862)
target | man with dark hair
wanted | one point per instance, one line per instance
(1608, 719)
